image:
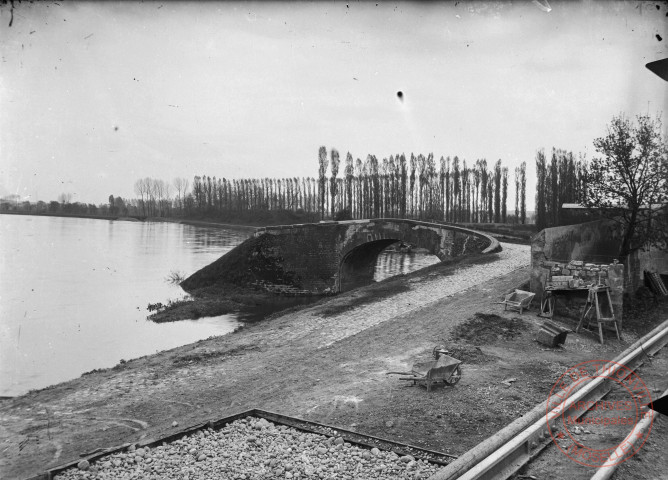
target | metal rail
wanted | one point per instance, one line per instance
(503, 454)
(606, 470)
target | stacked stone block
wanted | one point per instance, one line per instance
(578, 274)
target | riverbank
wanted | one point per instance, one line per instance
(246, 303)
(234, 291)
(71, 215)
(326, 363)
(203, 223)
(195, 223)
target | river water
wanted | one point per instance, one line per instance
(74, 292)
(391, 263)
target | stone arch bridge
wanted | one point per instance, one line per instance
(331, 257)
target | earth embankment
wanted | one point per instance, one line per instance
(243, 266)
(325, 363)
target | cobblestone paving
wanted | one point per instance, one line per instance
(424, 291)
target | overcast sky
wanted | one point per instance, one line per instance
(96, 95)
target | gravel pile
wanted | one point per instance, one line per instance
(253, 449)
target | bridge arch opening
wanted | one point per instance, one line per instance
(401, 259)
(359, 264)
(377, 261)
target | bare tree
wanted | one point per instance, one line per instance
(541, 180)
(497, 191)
(349, 175)
(504, 194)
(629, 183)
(517, 194)
(333, 184)
(161, 192)
(322, 172)
(140, 190)
(523, 192)
(181, 185)
(65, 198)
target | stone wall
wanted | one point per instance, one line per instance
(593, 243)
(596, 242)
(587, 274)
(310, 252)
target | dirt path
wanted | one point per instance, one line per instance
(326, 363)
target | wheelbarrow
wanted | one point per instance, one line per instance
(518, 300)
(444, 369)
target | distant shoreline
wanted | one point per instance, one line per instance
(195, 223)
(71, 215)
(204, 223)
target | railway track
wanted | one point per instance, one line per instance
(543, 431)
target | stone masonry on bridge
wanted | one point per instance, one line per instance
(330, 257)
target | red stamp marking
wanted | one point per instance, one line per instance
(567, 419)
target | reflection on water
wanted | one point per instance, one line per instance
(73, 293)
(392, 262)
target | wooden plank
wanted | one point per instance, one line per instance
(656, 283)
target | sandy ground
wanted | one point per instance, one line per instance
(325, 363)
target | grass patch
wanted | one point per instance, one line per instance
(175, 278)
(193, 309)
(249, 304)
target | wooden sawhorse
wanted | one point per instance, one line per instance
(594, 306)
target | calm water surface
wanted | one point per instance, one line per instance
(391, 263)
(74, 292)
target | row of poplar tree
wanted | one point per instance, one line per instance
(417, 187)
(562, 179)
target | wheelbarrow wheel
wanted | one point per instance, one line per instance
(455, 377)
